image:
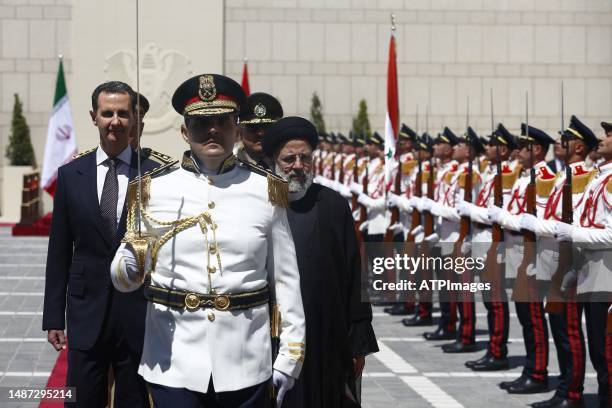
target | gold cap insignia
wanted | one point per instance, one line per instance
(207, 90)
(259, 110)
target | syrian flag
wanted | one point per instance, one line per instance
(392, 118)
(245, 79)
(61, 140)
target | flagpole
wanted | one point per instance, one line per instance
(139, 189)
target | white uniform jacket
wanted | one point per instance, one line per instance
(240, 242)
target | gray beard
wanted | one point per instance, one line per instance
(295, 186)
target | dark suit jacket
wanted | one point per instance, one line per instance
(77, 283)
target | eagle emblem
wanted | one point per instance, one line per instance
(259, 110)
(207, 90)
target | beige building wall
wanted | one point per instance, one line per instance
(448, 50)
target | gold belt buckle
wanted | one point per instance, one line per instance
(222, 302)
(192, 301)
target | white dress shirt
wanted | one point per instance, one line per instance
(123, 174)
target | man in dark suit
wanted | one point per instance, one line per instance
(105, 327)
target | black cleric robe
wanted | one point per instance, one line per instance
(338, 323)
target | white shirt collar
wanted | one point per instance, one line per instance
(125, 156)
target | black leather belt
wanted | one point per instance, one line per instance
(192, 301)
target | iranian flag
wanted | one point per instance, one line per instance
(61, 140)
(245, 79)
(392, 118)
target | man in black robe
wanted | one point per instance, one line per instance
(339, 330)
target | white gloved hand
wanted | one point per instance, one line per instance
(414, 201)
(432, 238)
(569, 280)
(464, 208)
(345, 191)
(416, 230)
(494, 213)
(396, 228)
(283, 383)
(392, 200)
(528, 222)
(356, 188)
(364, 226)
(563, 231)
(427, 203)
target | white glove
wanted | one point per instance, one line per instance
(364, 200)
(563, 231)
(610, 309)
(356, 188)
(432, 238)
(528, 222)
(396, 228)
(392, 200)
(416, 230)
(427, 203)
(464, 208)
(283, 383)
(494, 213)
(364, 226)
(345, 191)
(569, 280)
(414, 202)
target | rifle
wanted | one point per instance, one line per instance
(363, 214)
(554, 297)
(320, 164)
(394, 211)
(522, 285)
(341, 172)
(428, 227)
(354, 203)
(491, 272)
(465, 224)
(418, 192)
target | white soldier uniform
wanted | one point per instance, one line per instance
(216, 234)
(374, 200)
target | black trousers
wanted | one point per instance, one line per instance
(257, 396)
(566, 329)
(535, 335)
(88, 369)
(596, 314)
(498, 316)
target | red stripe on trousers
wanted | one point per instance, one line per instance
(573, 322)
(541, 345)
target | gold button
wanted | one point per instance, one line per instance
(211, 204)
(212, 269)
(213, 227)
(212, 248)
(211, 317)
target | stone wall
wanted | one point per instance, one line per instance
(448, 50)
(33, 33)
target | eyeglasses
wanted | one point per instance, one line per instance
(291, 159)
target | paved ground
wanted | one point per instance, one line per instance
(408, 372)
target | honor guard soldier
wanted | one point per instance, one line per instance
(445, 167)
(534, 144)
(260, 111)
(464, 152)
(591, 233)
(374, 200)
(212, 247)
(498, 149)
(566, 322)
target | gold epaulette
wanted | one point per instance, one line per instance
(151, 154)
(463, 178)
(79, 155)
(448, 177)
(483, 165)
(609, 186)
(580, 181)
(508, 179)
(407, 166)
(278, 187)
(425, 175)
(545, 185)
(158, 171)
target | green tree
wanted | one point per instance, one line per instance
(316, 113)
(361, 123)
(19, 150)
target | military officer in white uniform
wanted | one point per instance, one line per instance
(214, 245)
